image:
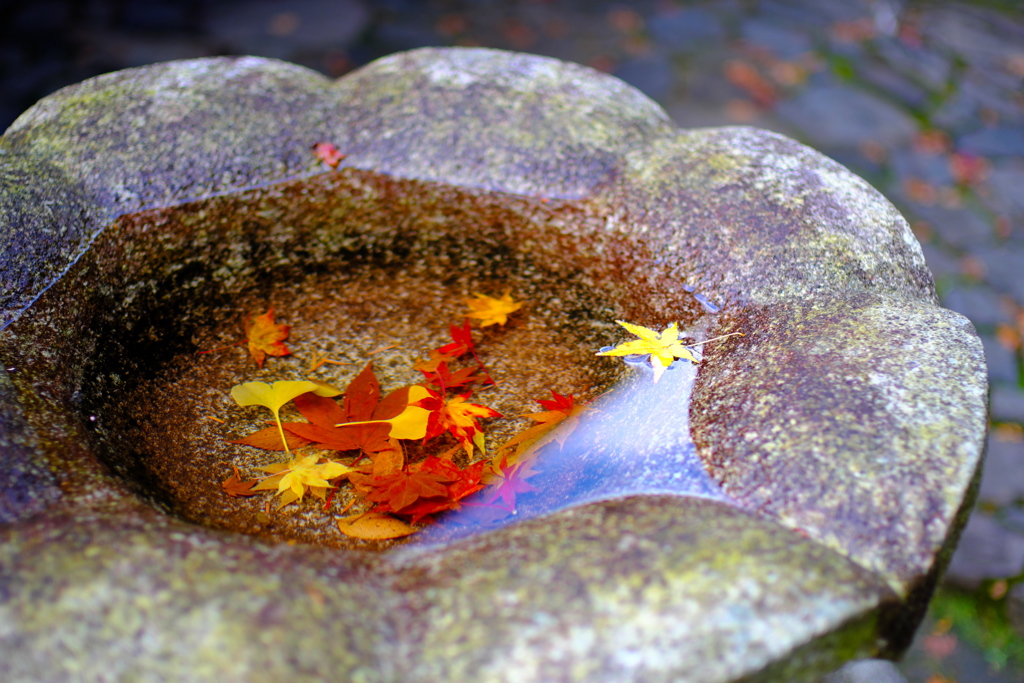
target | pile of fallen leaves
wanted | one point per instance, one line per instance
(360, 439)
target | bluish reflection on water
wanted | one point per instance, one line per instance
(635, 440)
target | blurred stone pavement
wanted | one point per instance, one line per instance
(923, 99)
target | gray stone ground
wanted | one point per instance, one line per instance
(923, 100)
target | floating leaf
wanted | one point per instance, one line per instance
(663, 347)
(506, 481)
(492, 311)
(562, 411)
(265, 337)
(373, 526)
(425, 488)
(401, 489)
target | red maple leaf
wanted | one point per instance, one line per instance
(328, 153)
(507, 482)
(462, 341)
(445, 379)
(461, 344)
(360, 403)
(399, 490)
(425, 488)
(456, 416)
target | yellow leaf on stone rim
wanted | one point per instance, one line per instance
(663, 347)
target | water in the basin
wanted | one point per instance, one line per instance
(357, 288)
(634, 439)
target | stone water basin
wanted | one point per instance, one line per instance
(829, 453)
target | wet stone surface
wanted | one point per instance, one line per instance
(814, 576)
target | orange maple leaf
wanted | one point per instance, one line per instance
(266, 338)
(235, 487)
(425, 488)
(456, 416)
(359, 404)
(401, 489)
(490, 310)
(562, 411)
(465, 483)
(506, 481)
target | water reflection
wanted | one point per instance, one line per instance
(635, 440)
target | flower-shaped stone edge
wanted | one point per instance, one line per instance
(659, 172)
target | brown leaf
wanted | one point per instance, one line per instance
(374, 527)
(235, 487)
(389, 460)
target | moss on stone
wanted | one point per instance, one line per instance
(848, 421)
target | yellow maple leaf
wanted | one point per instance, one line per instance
(291, 479)
(663, 347)
(492, 311)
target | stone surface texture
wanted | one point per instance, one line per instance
(848, 424)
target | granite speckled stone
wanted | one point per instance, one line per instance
(38, 245)
(845, 428)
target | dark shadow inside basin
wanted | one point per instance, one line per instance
(354, 262)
